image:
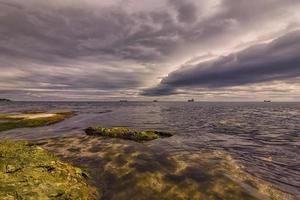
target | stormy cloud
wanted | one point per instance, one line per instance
(120, 47)
(277, 60)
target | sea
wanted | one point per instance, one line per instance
(263, 137)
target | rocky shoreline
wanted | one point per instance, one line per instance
(27, 171)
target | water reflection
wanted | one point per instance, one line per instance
(128, 170)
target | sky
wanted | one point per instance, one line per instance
(209, 50)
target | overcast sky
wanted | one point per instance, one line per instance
(210, 50)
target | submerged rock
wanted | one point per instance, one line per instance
(34, 119)
(127, 133)
(136, 172)
(29, 172)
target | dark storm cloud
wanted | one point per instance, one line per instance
(66, 32)
(278, 60)
(112, 44)
(49, 33)
(161, 89)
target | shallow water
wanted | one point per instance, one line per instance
(264, 137)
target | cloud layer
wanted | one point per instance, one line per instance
(277, 60)
(120, 47)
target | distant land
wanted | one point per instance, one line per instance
(5, 100)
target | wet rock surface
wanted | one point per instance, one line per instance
(29, 172)
(127, 133)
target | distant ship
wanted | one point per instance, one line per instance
(123, 101)
(191, 100)
(267, 101)
(155, 100)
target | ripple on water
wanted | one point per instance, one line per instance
(128, 170)
(264, 137)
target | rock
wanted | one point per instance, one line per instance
(29, 172)
(127, 133)
(23, 120)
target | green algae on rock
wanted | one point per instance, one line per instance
(34, 119)
(29, 172)
(127, 133)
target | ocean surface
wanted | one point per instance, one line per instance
(264, 137)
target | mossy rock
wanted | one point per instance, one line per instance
(29, 172)
(33, 119)
(127, 133)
